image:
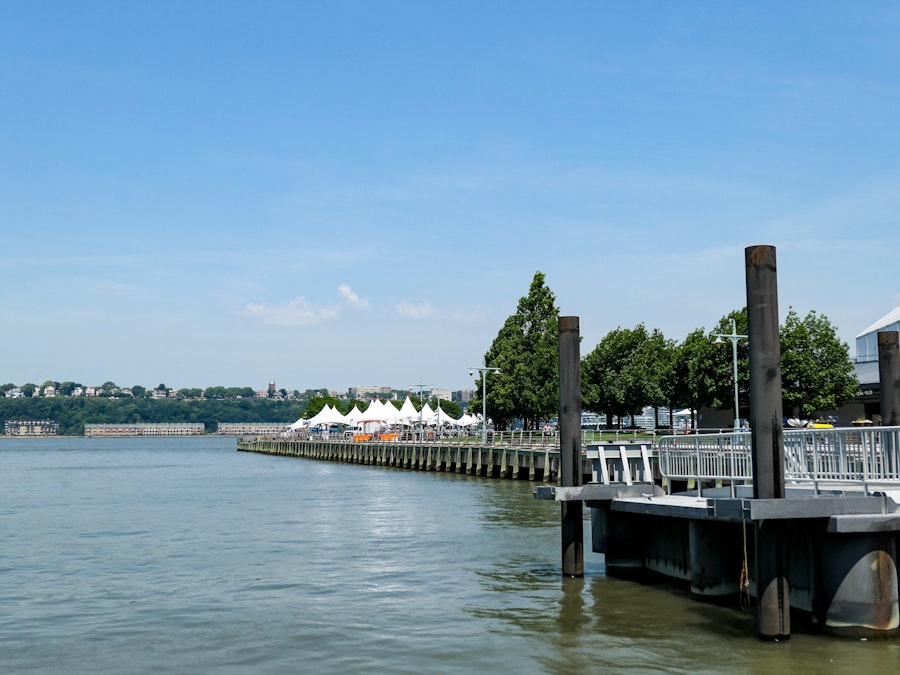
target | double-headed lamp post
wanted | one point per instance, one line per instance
(484, 370)
(421, 387)
(734, 337)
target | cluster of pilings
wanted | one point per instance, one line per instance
(485, 461)
(838, 553)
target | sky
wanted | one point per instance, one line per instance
(346, 193)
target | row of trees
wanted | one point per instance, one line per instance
(632, 368)
(112, 390)
(73, 413)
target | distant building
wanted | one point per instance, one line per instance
(15, 392)
(462, 396)
(31, 428)
(369, 392)
(867, 341)
(148, 429)
(443, 394)
(250, 429)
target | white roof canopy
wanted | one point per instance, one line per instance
(408, 411)
(326, 416)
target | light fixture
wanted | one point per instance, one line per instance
(484, 370)
(734, 337)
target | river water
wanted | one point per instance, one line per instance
(183, 555)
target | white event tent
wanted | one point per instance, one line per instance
(380, 413)
(327, 416)
(408, 413)
(354, 415)
(443, 418)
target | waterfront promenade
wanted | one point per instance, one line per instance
(533, 462)
(513, 455)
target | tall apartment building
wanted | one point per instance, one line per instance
(362, 393)
(463, 396)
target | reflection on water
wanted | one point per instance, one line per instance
(185, 556)
(606, 624)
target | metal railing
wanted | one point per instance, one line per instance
(517, 438)
(851, 457)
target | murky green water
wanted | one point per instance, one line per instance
(182, 555)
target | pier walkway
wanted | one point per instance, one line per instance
(529, 456)
(536, 463)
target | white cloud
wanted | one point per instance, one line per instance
(298, 312)
(409, 310)
(352, 298)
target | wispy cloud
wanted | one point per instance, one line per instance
(352, 298)
(298, 312)
(413, 311)
(301, 312)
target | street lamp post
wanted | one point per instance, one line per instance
(734, 337)
(421, 387)
(484, 370)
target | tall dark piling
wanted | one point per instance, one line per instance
(889, 376)
(570, 443)
(767, 438)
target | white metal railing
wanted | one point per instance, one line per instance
(451, 436)
(861, 457)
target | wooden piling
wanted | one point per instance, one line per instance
(570, 443)
(767, 439)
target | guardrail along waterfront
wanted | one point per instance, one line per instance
(523, 455)
(861, 458)
(535, 463)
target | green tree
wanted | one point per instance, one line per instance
(722, 361)
(526, 350)
(448, 407)
(66, 388)
(693, 373)
(655, 361)
(316, 403)
(138, 391)
(816, 372)
(612, 374)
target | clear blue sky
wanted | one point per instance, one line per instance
(358, 193)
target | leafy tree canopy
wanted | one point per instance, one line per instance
(526, 350)
(816, 371)
(612, 374)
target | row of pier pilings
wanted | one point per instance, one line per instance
(516, 463)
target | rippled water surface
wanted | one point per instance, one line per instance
(183, 555)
